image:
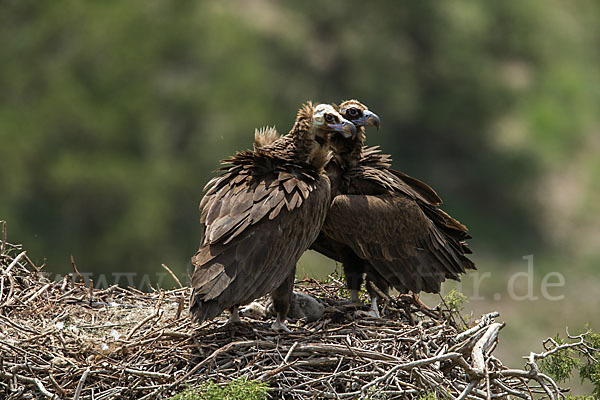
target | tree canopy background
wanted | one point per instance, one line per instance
(113, 116)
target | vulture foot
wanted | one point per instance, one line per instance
(235, 315)
(371, 313)
(278, 326)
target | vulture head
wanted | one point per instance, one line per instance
(314, 128)
(357, 113)
(327, 120)
(347, 151)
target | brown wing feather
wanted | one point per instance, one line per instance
(397, 238)
(420, 189)
(256, 260)
(244, 199)
(376, 178)
(372, 160)
(255, 229)
(261, 191)
(386, 222)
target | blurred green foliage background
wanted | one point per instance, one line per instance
(113, 116)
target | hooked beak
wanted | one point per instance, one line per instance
(368, 118)
(345, 127)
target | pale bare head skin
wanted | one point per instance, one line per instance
(359, 114)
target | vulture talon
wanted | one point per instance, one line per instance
(370, 314)
(234, 318)
(280, 327)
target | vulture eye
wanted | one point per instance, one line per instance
(329, 118)
(353, 112)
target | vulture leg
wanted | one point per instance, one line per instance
(378, 289)
(282, 297)
(353, 269)
(280, 325)
(374, 311)
(235, 314)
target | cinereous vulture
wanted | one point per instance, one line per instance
(385, 223)
(261, 213)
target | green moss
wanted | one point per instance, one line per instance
(436, 396)
(239, 389)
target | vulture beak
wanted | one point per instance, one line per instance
(369, 118)
(345, 127)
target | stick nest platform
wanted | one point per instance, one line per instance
(65, 339)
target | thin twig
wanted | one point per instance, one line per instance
(3, 241)
(172, 275)
(75, 269)
(14, 262)
(80, 384)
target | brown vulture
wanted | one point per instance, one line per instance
(261, 213)
(385, 223)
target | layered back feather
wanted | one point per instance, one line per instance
(254, 185)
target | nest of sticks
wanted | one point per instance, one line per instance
(65, 339)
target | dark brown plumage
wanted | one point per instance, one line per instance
(261, 213)
(385, 223)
